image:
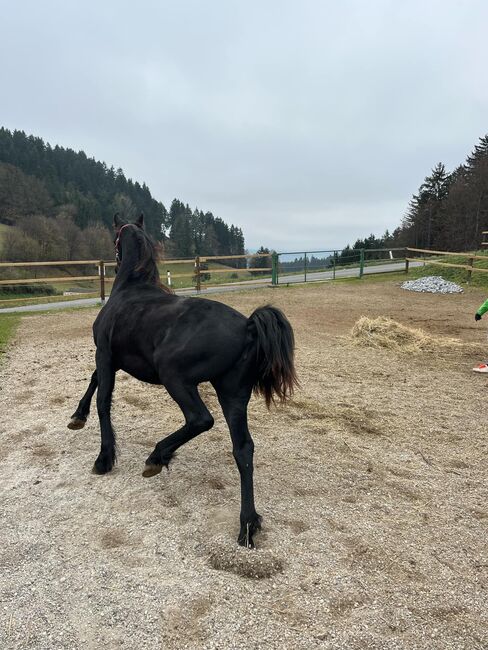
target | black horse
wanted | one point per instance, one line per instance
(160, 338)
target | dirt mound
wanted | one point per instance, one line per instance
(383, 332)
(247, 563)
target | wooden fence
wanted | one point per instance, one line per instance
(198, 275)
(469, 267)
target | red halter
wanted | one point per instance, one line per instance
(117, 256)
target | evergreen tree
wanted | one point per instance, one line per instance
(182, 237)
(260, 262)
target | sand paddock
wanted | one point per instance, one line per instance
(372, 485)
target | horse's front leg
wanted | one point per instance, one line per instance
(106, 381)
(79, 417)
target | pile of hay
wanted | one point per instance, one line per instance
(386, 333)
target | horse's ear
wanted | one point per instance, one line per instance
(140, 221)
(117, 221)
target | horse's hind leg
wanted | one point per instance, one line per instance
(79, 417)
(234, 406)
(197, 420)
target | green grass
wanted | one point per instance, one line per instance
(459, 276)
(41, 300)
(8, 325)
(3, 229)
(394, 276)
(187, 270)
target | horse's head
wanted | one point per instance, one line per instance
(136, 249)
(119, 225)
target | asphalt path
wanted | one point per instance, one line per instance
(258, 283)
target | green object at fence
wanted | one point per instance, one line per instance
(274, 268)
(361, 263)
(305, 266)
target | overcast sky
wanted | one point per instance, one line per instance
(308, 123)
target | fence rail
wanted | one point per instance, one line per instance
(469, 267)
(278, 268)
(197, 275)
(428, 251)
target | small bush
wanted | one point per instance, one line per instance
(204, 277)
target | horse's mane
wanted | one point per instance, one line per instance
(149, 256)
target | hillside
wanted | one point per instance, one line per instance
(64, 193)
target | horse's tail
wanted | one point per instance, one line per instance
(275, 377)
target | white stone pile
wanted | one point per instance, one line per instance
(432, 284)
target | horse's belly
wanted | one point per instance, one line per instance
(139, 369)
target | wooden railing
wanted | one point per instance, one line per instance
(469, 267)
(197, 276)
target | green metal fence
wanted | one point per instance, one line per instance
(309, 266)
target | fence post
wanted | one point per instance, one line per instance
(101, 272)
(305, 266)
(274, 268)
(407, 263)
(470, 270)
(168, 275)
(361, 262)
(198, 286)
(333, 268)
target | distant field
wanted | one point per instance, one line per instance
(3, 229)
(182, 275)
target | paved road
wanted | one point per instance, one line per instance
(238, 286)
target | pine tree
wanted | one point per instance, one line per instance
(182, 237)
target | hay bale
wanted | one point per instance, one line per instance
(383, 332)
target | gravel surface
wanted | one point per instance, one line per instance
(432, 284)
(372, 485)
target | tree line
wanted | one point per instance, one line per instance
(448, 212)
(194, 232)
(74, 197)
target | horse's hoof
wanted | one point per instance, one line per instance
(76, 423)
(103, 465)
(248, 531)
(99, 470)
(151, 470)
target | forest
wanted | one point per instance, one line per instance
(59, 204)
(448, 212)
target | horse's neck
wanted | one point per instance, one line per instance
(127, 272)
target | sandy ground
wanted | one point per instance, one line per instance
(372, 484)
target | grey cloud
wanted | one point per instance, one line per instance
(297, 121)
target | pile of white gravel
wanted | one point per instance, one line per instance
(432, 284)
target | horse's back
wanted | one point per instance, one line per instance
(205, 340)
(195, 338)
